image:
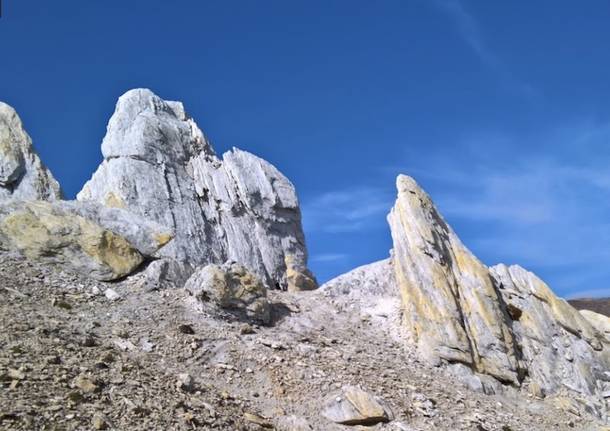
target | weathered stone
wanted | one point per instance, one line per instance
(105, 244)
(98, 422)
(353, 406)
(166, 273)
(298, 277)
(22, 174)
(599, 322)
(158, 164)
(503, 322)
(560, 348)
(232, 287)
(453, 311)
(86, 384)
(258, 420)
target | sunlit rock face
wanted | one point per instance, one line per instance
(560, 346)
(453, 311)
(501, 321)
(101, 243)
(158, 164)
(22, 174)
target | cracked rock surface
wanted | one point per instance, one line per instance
(159, 165)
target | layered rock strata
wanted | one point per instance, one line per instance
(158, 164)
(453, 310)
(501, 321)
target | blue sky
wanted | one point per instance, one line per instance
(499, 109)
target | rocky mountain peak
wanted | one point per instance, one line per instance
(158, 164)
(148, 128)
(22, 174)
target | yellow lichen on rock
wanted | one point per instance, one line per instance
(298, 278)
(452, 307)
(163, 238)
(111, 200)
(41, 233)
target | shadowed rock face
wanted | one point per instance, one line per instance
(22, 174)
(453, 310)
(501, 321)
(158, 164)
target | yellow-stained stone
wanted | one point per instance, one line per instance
(452, 307)
(600, 322)
(163, 238)
(298, 279)
(111, 200)
(41, 234)
(354, 406)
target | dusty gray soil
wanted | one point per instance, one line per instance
(72, 359)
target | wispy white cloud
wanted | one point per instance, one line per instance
(347, 210)
(593, 293)
(328, 257)
(545, 208)
(470, 31)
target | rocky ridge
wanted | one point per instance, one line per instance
(382, 346)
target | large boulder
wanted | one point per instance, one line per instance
(22, 174)
(231, 287)
(103, 243)
(354, 406)
(158, 164)
(453, 310)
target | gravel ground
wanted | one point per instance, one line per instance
(77, 356)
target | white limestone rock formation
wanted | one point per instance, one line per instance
(374, 279)
(501, 321)
(453, 310)
(561, 349)
(22, 174)
(102, 243)
(370, 290)
(158, 164)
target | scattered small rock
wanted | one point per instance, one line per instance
(111, 295)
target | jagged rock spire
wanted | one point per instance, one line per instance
(452, 307)
(22, 174)
(501, 321)
(157, 163)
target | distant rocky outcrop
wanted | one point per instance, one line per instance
(102, 243)
(599, 305)
(159, 165)
(22, 174)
